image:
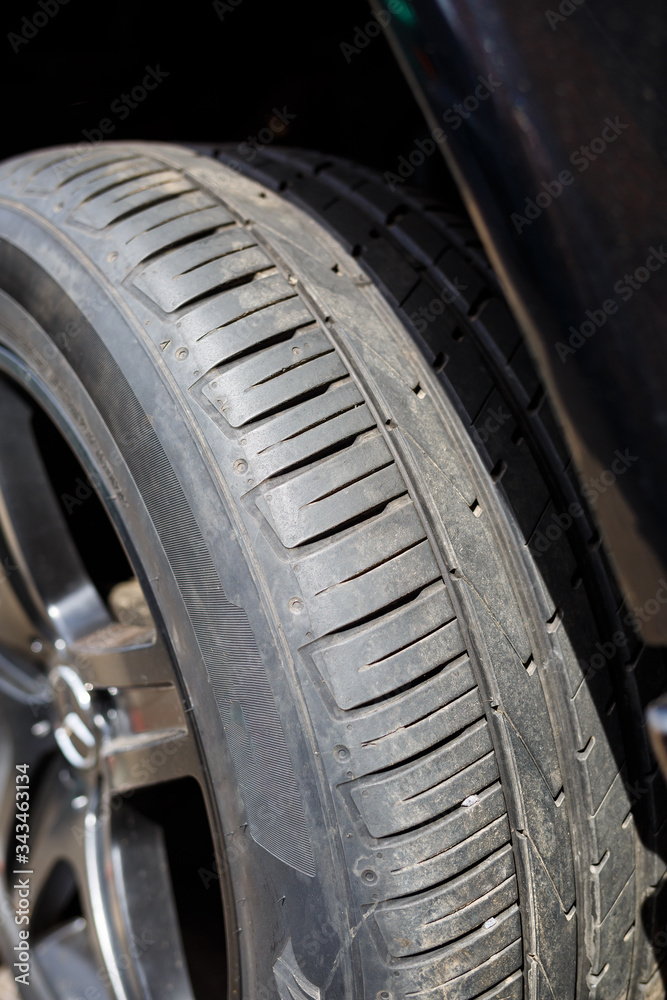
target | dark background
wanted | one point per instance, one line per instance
(227, 71)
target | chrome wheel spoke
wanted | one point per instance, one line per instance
(69, 964)
(149, 928)
(128, 936)
(144, 760)
(120, 655)
(153, 743)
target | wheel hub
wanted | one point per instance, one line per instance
(77, 727)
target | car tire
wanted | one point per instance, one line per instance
(419, 779)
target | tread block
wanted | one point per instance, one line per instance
(374, 659)
(474, 385)
(325, 496)
(510, 989)
(309, 160)
(284, 174)
(111, 206)
(422, 239)
(349, 222)
(523, 704)
(419, 308)
(557, 569)
(409, 706)
(547, 825)
(434, 456)
(524, 485)
(298, 436)
(360, 549)
(416, 792)
(156, 229)
(440, 915)
(556, 936)
(106, 178)
(616, 945)
(68, 164)
(347, 602)
(618, 843)
(455, 226)
(495, 319)
(274, 377)
(383, 747)
(341, 176)
(380, 257)
(259, 168)
(375, 197)
(195, 269)
(174, 263)
(274, 431)
(442, 849)
(461, 970)
(593, 753)
(487, 579)
(225, 307)
(324, 437)
(310, 193)
(456, 274)
(268, 320)
(524, 368)
(522, 481)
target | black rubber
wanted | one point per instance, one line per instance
(439, 794)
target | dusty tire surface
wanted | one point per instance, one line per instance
(431, 788)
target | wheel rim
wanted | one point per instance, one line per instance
(94, 706)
